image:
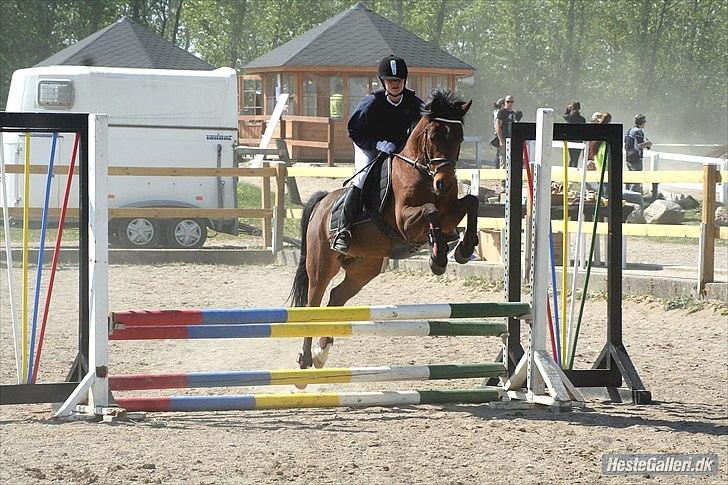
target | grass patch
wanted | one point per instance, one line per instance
(250, 197)
(481, 283)
(692, 217)
(685, 302)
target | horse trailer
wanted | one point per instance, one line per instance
(157, 118)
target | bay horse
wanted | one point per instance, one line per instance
(422, 209)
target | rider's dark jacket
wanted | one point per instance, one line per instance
(376, 119)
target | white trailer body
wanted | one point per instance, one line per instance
(157, 118)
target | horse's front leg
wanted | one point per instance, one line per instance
(424, 221)
(468, 205)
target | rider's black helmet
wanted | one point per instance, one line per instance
(392, 67)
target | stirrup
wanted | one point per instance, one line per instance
(341, 241)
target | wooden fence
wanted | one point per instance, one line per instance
(272, 210)
(297, 131)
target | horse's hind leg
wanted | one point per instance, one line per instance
(359, 272)
(321, 271)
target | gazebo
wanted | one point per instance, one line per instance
(327, 70)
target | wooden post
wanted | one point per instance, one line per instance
(330, 142)
(266, 203)
(706, 257)
(290, 181)
(280, 209)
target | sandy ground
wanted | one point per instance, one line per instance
(682, 356)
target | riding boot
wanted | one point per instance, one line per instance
(352, 207)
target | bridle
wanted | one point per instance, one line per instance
(427, 166)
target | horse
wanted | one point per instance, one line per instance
(423, 208)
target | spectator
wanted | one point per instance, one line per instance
(497, 106)
(593, 146)
(504, 118)
(597, 150)
(634, 145)
(573, 115)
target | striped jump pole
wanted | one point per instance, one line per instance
(229, 316)
(313, 329)
(246, 402)
(189, 380)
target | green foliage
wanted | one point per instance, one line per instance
(666, 58)
(686, 302)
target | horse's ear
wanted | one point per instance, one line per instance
(465, 106)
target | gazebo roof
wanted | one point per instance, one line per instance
(126, 44)
(357, 37)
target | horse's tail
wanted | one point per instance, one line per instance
(299, 292)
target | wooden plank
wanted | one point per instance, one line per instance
(265, 202)
(187, 212)
(330, 142)
(323, 172)
(192, 172)
(39, 169)
(307, 143)
(706, 255)
(161, 212)
(158, 171)
(280, 207)
(306, 119)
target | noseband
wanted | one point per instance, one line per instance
(427, 167)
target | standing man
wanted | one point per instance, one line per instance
(380, 124)
(634, 145)
(504, 118)
(573, 115)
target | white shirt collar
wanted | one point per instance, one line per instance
(401, 97)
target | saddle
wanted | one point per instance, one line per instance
(375, 195)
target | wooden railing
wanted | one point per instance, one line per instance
(273, 211)
(249, 124)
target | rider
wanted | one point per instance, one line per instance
(380, 124)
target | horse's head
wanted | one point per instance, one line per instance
(438, 137)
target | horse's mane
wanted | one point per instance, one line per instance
(444, 104)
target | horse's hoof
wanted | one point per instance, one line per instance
(304, 362)
(436, 268)
(460, 254)
(321, 354)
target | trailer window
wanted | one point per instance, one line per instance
(55, 94)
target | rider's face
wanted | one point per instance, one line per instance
(394, 86)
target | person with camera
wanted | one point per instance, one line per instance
(504, 118)
(573, 115)
(494, 142)
(634, 144)
(380, 124)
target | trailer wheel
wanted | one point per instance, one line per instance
(186, 233)
(138, 233)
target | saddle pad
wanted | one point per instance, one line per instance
(376, 192)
